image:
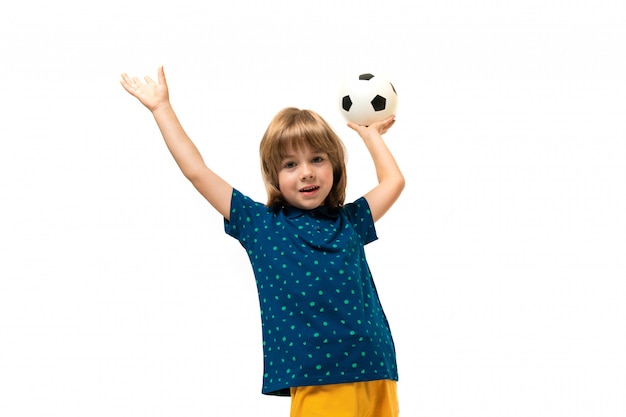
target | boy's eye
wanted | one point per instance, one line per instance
(317, 159)
(289, 164)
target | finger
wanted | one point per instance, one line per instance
(128, 84)
(162, 76)
(125, 79)
(388, 125)
(149, 80)
(386, 120)
(354, 126)
(136, 82)
(125, 85)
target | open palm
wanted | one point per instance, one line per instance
(379, 128)
(150, 93)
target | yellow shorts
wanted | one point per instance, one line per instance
(354, 399)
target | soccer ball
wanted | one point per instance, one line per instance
(367, 99)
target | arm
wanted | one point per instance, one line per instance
(390, 178)
(155, 97)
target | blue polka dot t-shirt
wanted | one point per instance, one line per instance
(322, 321)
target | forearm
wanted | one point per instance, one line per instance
(387, 169)
(177, 141)
(390, 178)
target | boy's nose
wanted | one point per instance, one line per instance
(307, 172)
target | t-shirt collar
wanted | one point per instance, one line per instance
(323, 211)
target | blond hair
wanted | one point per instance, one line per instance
(294, 128)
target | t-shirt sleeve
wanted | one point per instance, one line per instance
(360, 217)
(242, 212)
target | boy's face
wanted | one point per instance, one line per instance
(305, 178)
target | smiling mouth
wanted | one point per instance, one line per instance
(309, 189)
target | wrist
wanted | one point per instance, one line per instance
(161, 107)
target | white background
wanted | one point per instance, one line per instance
(502, 268)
